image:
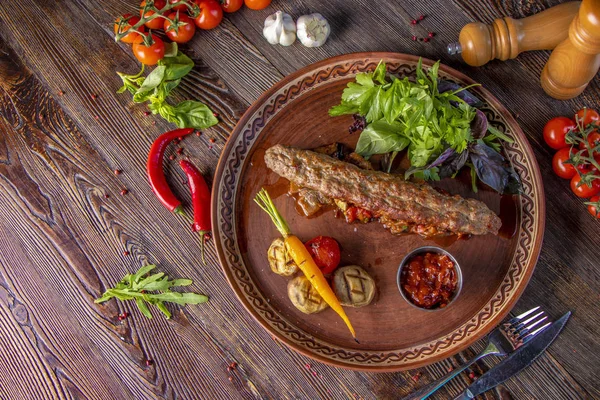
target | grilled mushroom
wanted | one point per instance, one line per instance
(279, 260)
(353, 286)
(304, 296)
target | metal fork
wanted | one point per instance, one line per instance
(505, 339)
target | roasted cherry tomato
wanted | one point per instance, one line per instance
(155, 23)
(230, 6)
(257, 4)
(584, 190)
(555, 131)
(210, 15)
(565, 171)
(587, 115)
(186, 29)
(326, 253)
(595, 211)
(149, 55)
(131, 20)
(181, 6)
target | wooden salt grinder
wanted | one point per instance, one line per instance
(506, 37)
(576, 60)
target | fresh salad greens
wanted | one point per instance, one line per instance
(156, 87)
(139, 287)
(436, 121)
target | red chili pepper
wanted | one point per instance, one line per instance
(200, 200)
(156, 175)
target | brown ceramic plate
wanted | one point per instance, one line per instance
(393, 334)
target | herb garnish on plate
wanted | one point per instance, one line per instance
(437, 122)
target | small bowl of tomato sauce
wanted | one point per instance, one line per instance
(429, 278)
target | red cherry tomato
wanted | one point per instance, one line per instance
(184, 33)
(595, 211)
(565, 171)
(584, 190)
(587, 115)
(257, 4)
(210, 15)
(555, 131)
(155, 23)
(179, 7)
(593, 139)
(131, 20)
(326, 253)
(149, 55)
(230, 6)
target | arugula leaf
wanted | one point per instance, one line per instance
(343, 109)
(379, 73)
(139, 287)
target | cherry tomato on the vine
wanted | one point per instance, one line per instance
(130, 21)
(326, 253)
(182, 34)
(565, 171)
(555, 131)
(230, 6)
(149, 55)
(593, 139)
(595, 211)
(210, 15)
(587, 115)
(181, 6)
(157, 22)
(257, 4)
(584, 190)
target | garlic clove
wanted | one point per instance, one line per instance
(280, 29)
(313, 30)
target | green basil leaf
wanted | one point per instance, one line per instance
(176, 67)
(153, 79)
(189, 114)
(380, 137)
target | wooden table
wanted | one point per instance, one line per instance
(66, 232)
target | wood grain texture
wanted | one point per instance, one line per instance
(62, 241)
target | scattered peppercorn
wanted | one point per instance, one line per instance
(431, 34)
(416, 376)
(106, 195)
(171, 157)
(117, 172)
(230, 379)
(233, 365)
(216, 115)
(414, 22)
(124, 192)
(472, 375)
(125, 253)
(198, 133)
(229, 369)
(149, 363)
(180, 150)
(421, 17)
(180, 138)
(94, 96)
(426, 39)
(414, 38)
(96, 117)
(61, 93)
(153, 122)
(212, 140)
(146, 113)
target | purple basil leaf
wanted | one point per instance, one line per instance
(468, 97)
(442, 157)
(453, 164)
(493, 170)
(479, 125)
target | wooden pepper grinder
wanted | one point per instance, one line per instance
(506, 37)
(576, 60)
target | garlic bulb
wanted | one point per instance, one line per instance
(313, 30)
(280, 29)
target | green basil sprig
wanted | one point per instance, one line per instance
(156, 87)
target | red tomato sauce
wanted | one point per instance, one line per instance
(429, 280)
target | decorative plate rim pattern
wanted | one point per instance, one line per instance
(227, 180)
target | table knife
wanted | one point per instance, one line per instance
(517, 361)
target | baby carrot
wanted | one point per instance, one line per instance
(302, 257)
